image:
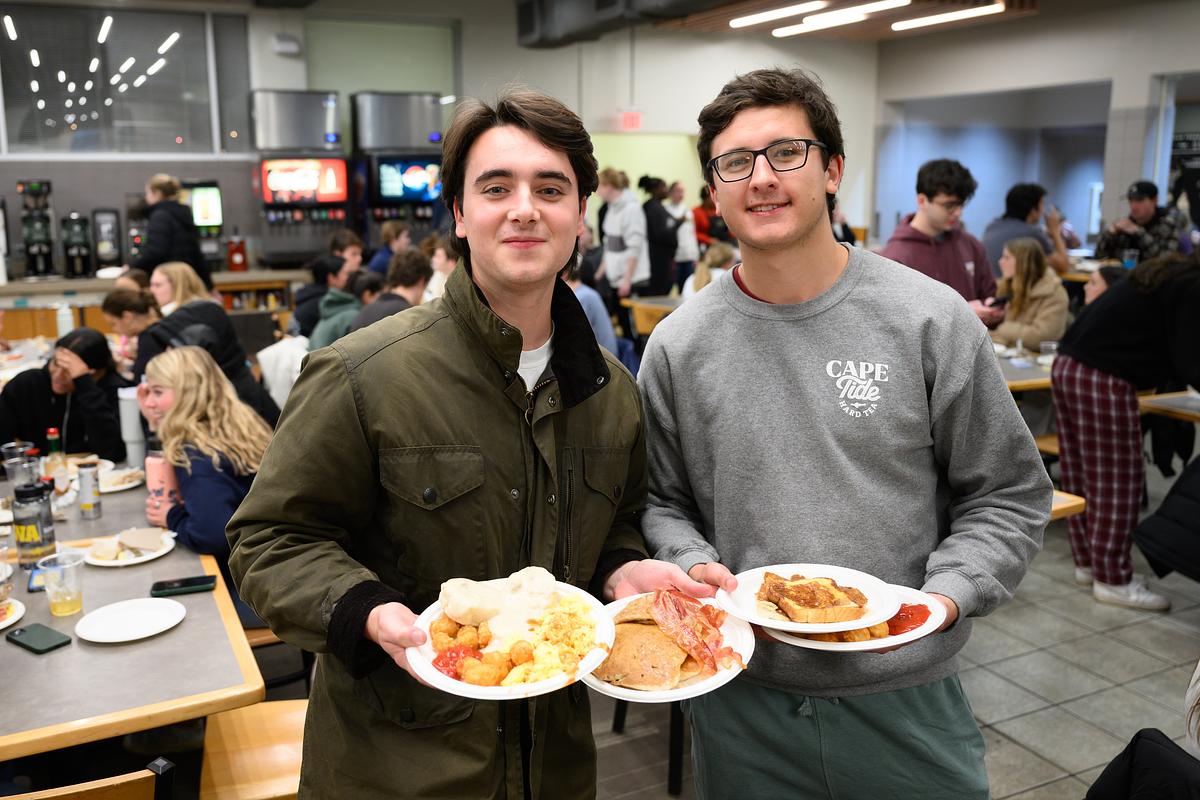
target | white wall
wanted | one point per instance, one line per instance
(675, 73)
(268, 70)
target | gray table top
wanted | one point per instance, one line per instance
(1186, 404)
(88, 691)
(1018, 374)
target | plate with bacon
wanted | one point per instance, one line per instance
(919, 616)
(810, 598)
(670, 646)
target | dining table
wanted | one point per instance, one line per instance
(23, 354)
(1177, 405)
(86, 691)
(1024, 373)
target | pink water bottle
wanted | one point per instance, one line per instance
(160, 478)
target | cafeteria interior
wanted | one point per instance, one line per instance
(201, 198)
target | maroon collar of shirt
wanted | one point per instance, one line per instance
(737, 278)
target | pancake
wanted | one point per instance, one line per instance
(642, 657)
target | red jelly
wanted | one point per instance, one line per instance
(910, 617)
(448, 661)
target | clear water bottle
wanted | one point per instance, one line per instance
(33, 524)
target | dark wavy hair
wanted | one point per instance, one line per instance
(1153, 273)
(90, 345)
(946, 176)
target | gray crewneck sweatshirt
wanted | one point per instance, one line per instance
(868, 428)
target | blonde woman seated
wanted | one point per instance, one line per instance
(1037, 301)
(214, 441)
(716, 261)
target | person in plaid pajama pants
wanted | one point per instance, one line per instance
(1142, 333)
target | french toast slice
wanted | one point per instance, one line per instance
(812, 600)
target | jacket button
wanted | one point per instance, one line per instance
(551, 499)
(504, 331)
(600, 381)
(617, 490)
(508, 376)
(407, 715)
(551, 400)
(515, 494)
(429, 495)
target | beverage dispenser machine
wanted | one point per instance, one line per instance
(302, 176)
(204, 198)
(37, 228)
(77, 246)
(398, 156)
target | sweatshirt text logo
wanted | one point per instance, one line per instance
(857, 384)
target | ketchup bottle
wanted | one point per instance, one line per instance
(235, 253)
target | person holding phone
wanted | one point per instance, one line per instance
(1037, 301)
(214, 441)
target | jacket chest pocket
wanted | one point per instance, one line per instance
(605, 471)
(436, 514)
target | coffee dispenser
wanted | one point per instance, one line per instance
(37, 227)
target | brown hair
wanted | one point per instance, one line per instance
(167, 185)
(764, 88)
(614, 178)
(1031, 266)
(392, 230)
(408, 268)
(1153, 273)
(138, 276)
(433, 241)
(543, 117)
(343, 238)
(118, 301)
(186, 285)
(717, 256)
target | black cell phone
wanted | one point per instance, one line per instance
(198, 583)
(999, 302)
(37, 638)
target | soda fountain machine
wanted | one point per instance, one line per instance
(106, 237)
(398, 154)
(136, 222)
(204, 197)
(37, 228)
(77, 246)
(302, 179)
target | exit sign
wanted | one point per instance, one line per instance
(631, 120)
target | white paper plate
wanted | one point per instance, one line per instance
(737, 634)
(421, 658)
(104, 464)
(6, 569)
(1045, 360)
(882, 600)
(168, 544)
(130, 620)
(16, 610)
(123, 487)
(936, 617)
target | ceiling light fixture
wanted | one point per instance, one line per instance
(71, 86)
(124, 87)
(139, 81)
(841, 16)
(83, 101)
(779, 13)
(447, 99)
(62, 76)
(41, 104)
(105, 27)
(87, 87)
(33, 86)
(168, 42)
(129, 62)
(95, 65)
(156, 66)
(108, 101)
(68, 102)
(95, 115)
(950, 16)
(34, 58)
(114, 80)
(10, 28)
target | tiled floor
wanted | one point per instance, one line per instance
(1058, 682)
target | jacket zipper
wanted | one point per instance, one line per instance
(567, 511)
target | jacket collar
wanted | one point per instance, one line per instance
(577, 362)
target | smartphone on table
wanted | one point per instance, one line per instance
(198, 583)
(38, 638)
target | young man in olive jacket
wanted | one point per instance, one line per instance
(470, 437)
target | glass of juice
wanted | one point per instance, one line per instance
(63, 573)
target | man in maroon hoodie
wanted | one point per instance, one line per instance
(932, 240)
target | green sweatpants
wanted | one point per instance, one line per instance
(751, 742)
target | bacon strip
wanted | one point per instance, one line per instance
(695, 627)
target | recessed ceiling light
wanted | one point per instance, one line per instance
(778, 13)
(71, 86)
(87, 87)
(129, 62)
(68, 102)
(83, 101)
(62, 76)
(156, 66)
(108, 101)
(114, 80)
(95, 65)
(838, 17)
(104, 29)
(949, 16)
(41, 104)
(123, 87)
(95, 115)
(33, 86)
(10, 28)
(168, 42)
(447, 99)
(139, 80)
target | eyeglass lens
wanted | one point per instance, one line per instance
(782, 156)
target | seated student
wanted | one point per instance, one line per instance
(75, 392)
(341, 305)
(133, 278)
(1101, 281)
(214, 441)
(347, 245)
(593, 306)
(1037, 305)
(345, 248)
(198, 319)
(716, 261)
(407, 277)
(175, 283)
(397, 237)
(129, 312)
(442, 258)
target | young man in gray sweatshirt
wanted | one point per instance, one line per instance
(823, 404)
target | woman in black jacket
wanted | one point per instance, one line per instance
(660, 234)
(170, 232)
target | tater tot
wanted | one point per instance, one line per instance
(444, 624)
(441, 641)
(468, 636)
(485, 634)
(480, 673)
(521, 652)
(500, 659)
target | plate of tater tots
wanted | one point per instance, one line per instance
(509, 638)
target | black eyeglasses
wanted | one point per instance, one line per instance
(785, 156)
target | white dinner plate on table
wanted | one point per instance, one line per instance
(13, 610)
(103, 463)
(130, 620)
(882, 600)
(421, 658)
(168, 544)
(937, 615)
(126, 473)
(736, 633)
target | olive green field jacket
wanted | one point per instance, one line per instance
(411, 452)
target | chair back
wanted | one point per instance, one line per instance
(646, 316)
(131, 786)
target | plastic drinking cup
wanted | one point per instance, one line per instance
(64, 582)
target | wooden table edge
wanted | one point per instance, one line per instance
(1029, 384)
(1066, 505)
(1148, 404)
(67, 734)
